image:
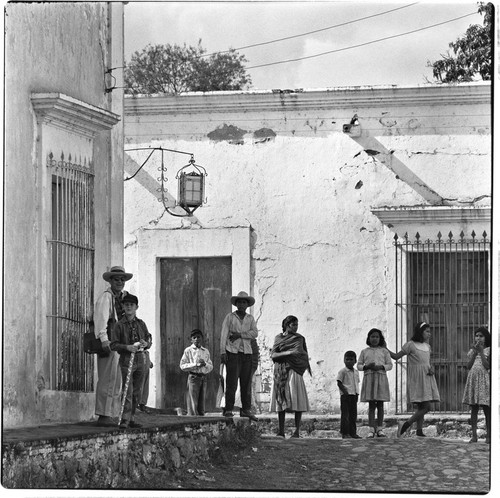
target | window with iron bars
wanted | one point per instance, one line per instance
(71, 277)
(444, 282)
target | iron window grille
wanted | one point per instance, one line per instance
(71, 277)
(444, 282)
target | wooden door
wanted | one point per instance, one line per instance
(195, 293)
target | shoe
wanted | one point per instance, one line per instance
(295, 434)
(124, 424)
(372, 433)
(134, 425)
(281, 434)
(402, 428)
(228, 413)
(251, 416)
(420, 434)
(105, 421)
(143, 408)
(346, 436)
(381, 433)
(355, 436)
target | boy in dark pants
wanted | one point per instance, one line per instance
(348, 382)
(130, 335)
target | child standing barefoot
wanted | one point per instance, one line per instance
(422, 385)
(375, 361)
(477, 387)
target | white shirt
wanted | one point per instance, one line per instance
(191, 357)
(246, 327)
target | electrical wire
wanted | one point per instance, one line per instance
(309, 32)
(361, 44)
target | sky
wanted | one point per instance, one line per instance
(398, 60)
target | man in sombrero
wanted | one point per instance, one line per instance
(108, 310)
(238, 330)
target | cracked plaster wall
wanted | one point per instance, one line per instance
(317, 251)
(49, 48)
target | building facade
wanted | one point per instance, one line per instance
(63, 200)
(350, 208)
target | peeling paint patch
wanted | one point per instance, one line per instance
(228, 133)
(414, 124)
(263, 135)
(358, 185)
(372, 152)
(387, 122)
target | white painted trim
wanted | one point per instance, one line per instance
(423, 214)
(156, 244)
(71, 114)
(301, 100)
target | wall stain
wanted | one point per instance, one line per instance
(229, 133)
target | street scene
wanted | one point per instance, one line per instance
(249, 246)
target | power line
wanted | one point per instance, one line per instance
(310, 32)
(361, 44)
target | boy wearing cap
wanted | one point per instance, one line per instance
(196, 361)
(107, 311)
(130, 335)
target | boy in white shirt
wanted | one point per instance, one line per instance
(348, 382)
(196, 361)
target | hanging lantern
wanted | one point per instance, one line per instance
(191, 187)
(191, 183)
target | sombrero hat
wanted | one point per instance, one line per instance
(243, 295)
(116, 271)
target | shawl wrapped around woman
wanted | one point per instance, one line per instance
(288, 352)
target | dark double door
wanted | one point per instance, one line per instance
(195, 293)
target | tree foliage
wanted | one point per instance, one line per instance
(471, 53)
(174, 69)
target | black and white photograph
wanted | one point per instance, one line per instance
(248, 248)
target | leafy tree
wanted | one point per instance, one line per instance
(471, 53)
(174, 69)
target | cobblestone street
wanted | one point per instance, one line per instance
(412, 464)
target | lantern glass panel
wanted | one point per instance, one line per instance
(191, 190)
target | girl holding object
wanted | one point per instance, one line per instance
(374, 361)
(422, 386)
(477, 386)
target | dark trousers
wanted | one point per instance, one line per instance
(197, 385)
(238, 367)
(133, 394)
(348, 414)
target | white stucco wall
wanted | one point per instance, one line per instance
(309, 193)
(59, 49)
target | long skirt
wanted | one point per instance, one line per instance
(296, 395)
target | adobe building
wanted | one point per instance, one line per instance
(350, 208)
(63, 200)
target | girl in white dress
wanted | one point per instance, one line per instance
(422, 386)
(374, 361)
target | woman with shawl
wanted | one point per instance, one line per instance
(291, 360)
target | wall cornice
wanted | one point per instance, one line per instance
(304, 100)
(71, 114)
(419, 215)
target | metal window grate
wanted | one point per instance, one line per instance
(71, 252)
(444, 282)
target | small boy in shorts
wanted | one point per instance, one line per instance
(348, 382)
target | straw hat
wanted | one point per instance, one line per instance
(116, 271)
(243, 295)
